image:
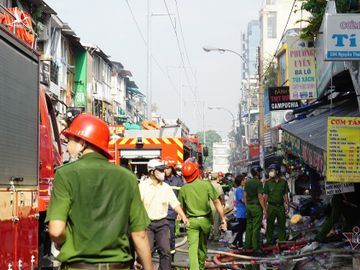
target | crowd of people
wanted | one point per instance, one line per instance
(99, 216)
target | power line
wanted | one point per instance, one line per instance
(282, 35)
(183, 39)
(152, 56)
(182, 58)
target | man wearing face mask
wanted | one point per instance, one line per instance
(276, 196)
(157, 196)
(95, 204)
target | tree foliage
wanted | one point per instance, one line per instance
(211, 137)
(316, 8)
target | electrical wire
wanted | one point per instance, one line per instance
(152, 56)
(282, 35)
(183, 61)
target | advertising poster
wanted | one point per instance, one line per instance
(279, 99)
(342, 34)
(343, 150)
(302, 73)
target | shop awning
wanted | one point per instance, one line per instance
(135, 91)
(313, 129)
(307, 138)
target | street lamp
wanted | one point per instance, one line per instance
(227, 110)
(222, 50)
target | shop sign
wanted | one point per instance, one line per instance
(254, 151)
(338, 188)
(343, 149)
(302, 73)
(342, 37)
(309, 154)
(279, 99)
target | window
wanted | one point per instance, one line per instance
(271, 25)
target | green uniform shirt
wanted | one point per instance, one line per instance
(252, 188)
(276, 191)
(194, 198)
(100, 204)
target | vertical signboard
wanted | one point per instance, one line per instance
(302, 69)
(343, 149)
(342, 37)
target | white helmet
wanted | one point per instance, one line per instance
(156, 164)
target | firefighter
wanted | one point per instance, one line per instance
(255, 209)
(194, 198)
(157, 196)
(175, 182)
(94, 204)
(276, 196)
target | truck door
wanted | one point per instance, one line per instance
(137, 159)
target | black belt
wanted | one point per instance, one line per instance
(276, 204)
(96, 266)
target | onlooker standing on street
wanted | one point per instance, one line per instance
(215, 233)
(95, 204)
(240, 213)
(276, 192)
(175, 182)
(157, 196)
(255, 209)
(194, 197)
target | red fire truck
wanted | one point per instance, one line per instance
(172, 140)
(30, 149)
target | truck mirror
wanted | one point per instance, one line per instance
(205, 151)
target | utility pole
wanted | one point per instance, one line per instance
(261, 110)
(148, 63)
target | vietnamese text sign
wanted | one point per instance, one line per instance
(279, 99)
(343, 149)
(337, 188)
(342, 37)
(302, 77)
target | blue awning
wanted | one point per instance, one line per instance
(135, 91)
(313, 129)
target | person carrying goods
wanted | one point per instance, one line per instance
(255, 209)
(94, 204)
(215, 233)
(194, 197)
(175, 182)
(157, 196)
(276, 192)
(240, 213)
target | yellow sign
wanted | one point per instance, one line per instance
(302, 77)
(343, 149)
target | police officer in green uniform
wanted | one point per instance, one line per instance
(95, 205)
(276, 192)
(255, 209)
(195, 198)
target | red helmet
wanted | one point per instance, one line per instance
(92, 130)
(170, 162)
(190, 171)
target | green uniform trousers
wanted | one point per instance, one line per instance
(275, 212)
(254, 215)
(198, 232)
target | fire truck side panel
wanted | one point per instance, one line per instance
(130, 149)
(27, 228)
(20, 136)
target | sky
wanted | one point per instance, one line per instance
(208, 79)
